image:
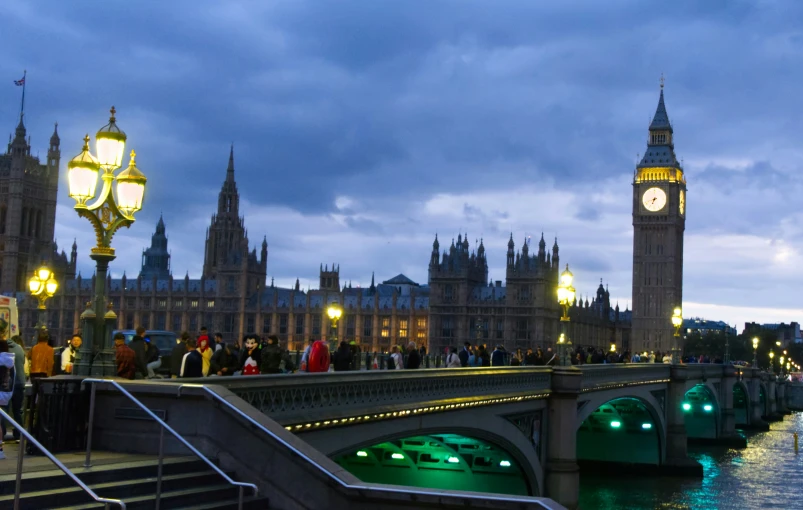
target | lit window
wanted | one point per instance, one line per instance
(210, 303)
(402, 328)
(194, 303)
(385, 327)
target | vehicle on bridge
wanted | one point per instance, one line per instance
(164, 340)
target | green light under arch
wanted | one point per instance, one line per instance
(621, 430)
(438, 461)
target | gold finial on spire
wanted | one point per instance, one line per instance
(86, 142)
(113, 111)
(662, 81)
(133, 156)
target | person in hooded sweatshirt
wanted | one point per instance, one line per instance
(341, 360)
(7, 378)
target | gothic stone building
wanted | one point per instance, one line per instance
(28, 190)
(465, 306)
(659, 221)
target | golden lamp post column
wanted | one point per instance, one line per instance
(565, 298)
(107, 215)
(677, 322)
(43, 286)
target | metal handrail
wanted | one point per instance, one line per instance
(24, 434)
(336, 478)
(164, 426)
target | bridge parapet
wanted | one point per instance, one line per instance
(704, 370)
(332, 396)
(619, 375)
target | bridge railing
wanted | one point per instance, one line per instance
(290, 399)
(598, 377)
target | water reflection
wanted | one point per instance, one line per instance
(765, 475)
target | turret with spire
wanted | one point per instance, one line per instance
(156, 259)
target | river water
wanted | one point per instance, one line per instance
(766, 475)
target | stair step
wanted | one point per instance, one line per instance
(121, 489)
(55, 478)
(249, 503)
(184, 498)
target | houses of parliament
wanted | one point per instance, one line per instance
(457, 304)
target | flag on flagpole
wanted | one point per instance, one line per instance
(20, 83)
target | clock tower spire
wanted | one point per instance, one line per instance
(659, 221)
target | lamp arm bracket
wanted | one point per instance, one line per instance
(105, 216)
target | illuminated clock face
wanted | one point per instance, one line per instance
(654, 199)
(682, 202)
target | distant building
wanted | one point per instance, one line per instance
(703, 327)
(785, 333)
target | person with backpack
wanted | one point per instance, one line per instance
(395, 360)
(7, 379)
(453, 360)
(154, 358)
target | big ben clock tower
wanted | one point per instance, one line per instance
(659, 219)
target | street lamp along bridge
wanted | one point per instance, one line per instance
(107, 215)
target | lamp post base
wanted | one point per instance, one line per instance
(97, 355)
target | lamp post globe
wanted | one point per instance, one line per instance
(113, 209)
(334, 312)
(772, 355)
(755, 352)
(677, 323)
(43, 285)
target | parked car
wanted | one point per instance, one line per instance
(164, 340)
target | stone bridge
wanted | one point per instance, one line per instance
(521, 430)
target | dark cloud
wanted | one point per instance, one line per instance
(391, 104)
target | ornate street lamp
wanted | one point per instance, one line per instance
(772, 355)
(107, 214)
(613, 346)
(43, 286)
(677, 322)
(334, 312)
(780, 367)
(565, 298)
(755, 352)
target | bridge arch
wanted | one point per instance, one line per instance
(491, 428)
(627, 429)
(439, 461)
(701, 412)
(741, 404)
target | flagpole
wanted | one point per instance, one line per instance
(22, 106)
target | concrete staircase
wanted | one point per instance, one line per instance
(187, 484)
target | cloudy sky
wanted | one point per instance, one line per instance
(362, 128)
